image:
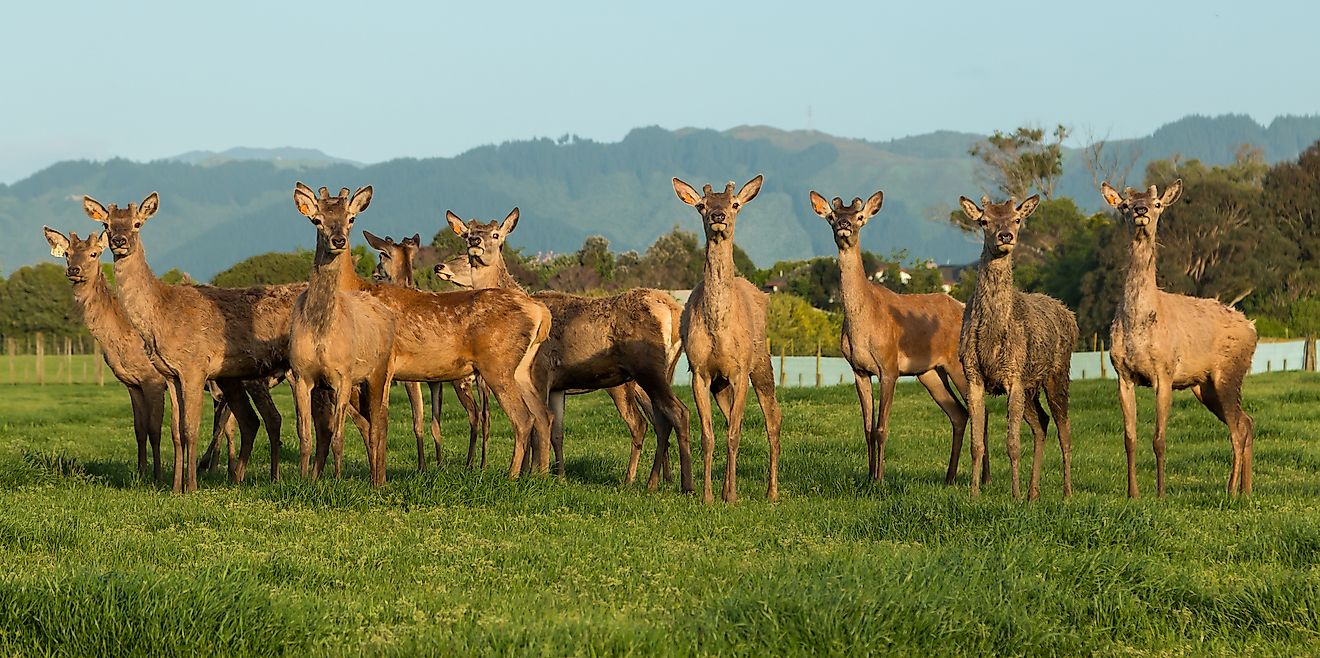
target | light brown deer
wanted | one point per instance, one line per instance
(1015, 343)
(193, 334)
(449, 336)
(340, 339)
(1168, 341)
(396, 266)
(627, 344)
(724, 334)
(887, 335)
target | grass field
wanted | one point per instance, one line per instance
(455, 562)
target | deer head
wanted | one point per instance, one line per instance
(395, 257)
(122, 224)
(999, 221)
(719, 210)
(484, 240)
(457, 271)
(847, 221)
(82, 258)
(1141, 210)
(331, 215)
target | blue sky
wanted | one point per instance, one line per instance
(380, 80)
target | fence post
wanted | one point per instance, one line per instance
(818, 375)
(100, 363)
(41, 357)
(68, 360)
(1102, 361)
(782, 374)
(10, 346)
(1308, 354)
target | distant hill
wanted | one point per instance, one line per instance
(217, 209)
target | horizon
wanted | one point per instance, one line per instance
(400, 81)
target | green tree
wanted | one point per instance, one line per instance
(797, 327)
(38, 298)
(1026, 159)
(267, 269)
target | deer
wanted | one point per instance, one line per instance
(887, 335)
(395, 265)
(1169, 342)
(724, 334)
(339, 339)
(627, 344)
(1016, 344)
(442, 337)
(193, 334)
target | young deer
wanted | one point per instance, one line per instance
(1168, 341)
(396, 266)
(724, 334)
(627, 344)
(340, 339)
(886, 335)
(1015, 343)
(193, 334)
(443, 337)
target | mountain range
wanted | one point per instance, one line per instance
(219, 208)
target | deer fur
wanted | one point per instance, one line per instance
(1172, 342)
(396, 266)
(448, 336)
(193, 334)
(724, 334)
(1015, 343)
(886, 335)
(340, 339)
(627, 344)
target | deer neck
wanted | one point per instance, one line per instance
(993, 297)
(855, 287)
(1139, 288)
(405, 275)
(141, 294)
(494, 275)
(99, 310)
(328, 275)
(718, 279)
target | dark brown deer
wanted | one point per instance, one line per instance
(724, 334)
(1015, 343)
(627, 344)
(340, 339)
(1172, 342)
(887, 335)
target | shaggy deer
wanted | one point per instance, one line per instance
(627, 344)
(886, 335)
(443, 337)
(1168, 341)
(193, 334)
(1015, 343)
(396, 266)
(340, 339)
(724, 334)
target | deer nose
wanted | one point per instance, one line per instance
(1140, 210)
(717, 216)
(338, 242)
(474, 241)
(1005, 237)
(118, 241)
(73, 271)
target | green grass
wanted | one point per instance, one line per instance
(456, 562)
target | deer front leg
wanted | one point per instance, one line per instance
(738, 386)
(155, 399)
(141, 419)
(302, 406)
(863, 383)
(414, 391)
(1017, 399)
(701, 398)
(1127, 402)
(1163, 400)
(192, 389)
(437, 401)
(977, 412)
(888, 381)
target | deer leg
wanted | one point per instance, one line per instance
(515, 407)
(155, 399)
(192, 389)
(1017, 398)
(1039, 423)
(1127, 401)
(302, 407)
(936, 384)
(1163, 400)
(1056, 393)
(140, 422)
(222, 422)
(414, 391)
(864, 396)
(632, 417)
(738, 387)
(977, 412)
(888, 382)
(437, 391)
(701, 398)
(176, 434)
(270, 417)
(342, 393)
(377, 391)
(323, 407)
(556, 406)
(763, 382)
(236, 399)
(644, 404)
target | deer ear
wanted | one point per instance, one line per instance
(1027, 207)
(305, 200)
(95, 210)
(103, 240)
(1112, 197)
(1172, 193)
(361, 199)
(510, 222)
(379, 244)
(416, 239)
(685, 193)
(751, 189)
(970, 209)
(59, 245)
(872, 206)
(819, 205)
(149, 206)
(455, 224)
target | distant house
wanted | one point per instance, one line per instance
(776, 284)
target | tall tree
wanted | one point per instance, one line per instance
(1026, 159)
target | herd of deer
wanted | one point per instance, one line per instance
(341, 340)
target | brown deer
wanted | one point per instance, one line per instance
(886, 335)
(340, 339)
(1168, 341)
(1015, 343)
(627, 344)
(724, 334)
(193, 334)
(396, 266)
(443, 337)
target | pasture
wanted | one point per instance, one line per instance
(458, 562)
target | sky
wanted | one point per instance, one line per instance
(372, 81)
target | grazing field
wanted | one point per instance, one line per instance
(456, 562)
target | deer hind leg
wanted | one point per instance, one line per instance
(236, 398)
(556, 406)
(1163, 401)
(862, 380)
(636, 422)
(323, 409)
(437, 391)
(176, 433)
(377, 392)
(1039, 422)
(141, 420)
(191, 390)
(763, 382)
(668, 414)
(154, 396)
(1017, 399)
(1056, 393)
(270, 417)
(1223, 397)
(739, 392)
(414, 391)
(936, 384)
(222, 429)
(701, 394)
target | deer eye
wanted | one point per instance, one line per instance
(316, 221)
(350, 221)
(495, 235)
(701, 207)
(735, 205)
(137, 224)
(1158, 204)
